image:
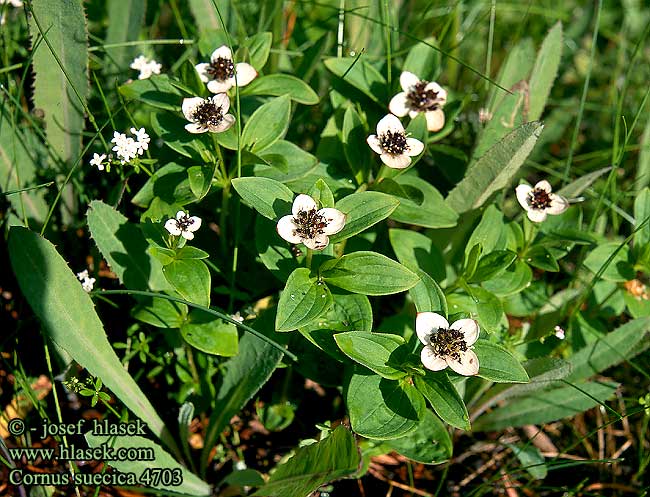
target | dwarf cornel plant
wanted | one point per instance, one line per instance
(261, 206)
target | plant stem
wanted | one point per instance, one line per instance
(310, 254)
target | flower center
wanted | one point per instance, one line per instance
(539, 199)
(393, 142)
(207, 114)
(221, 69)
(309, 223)
(448, 343)
(184, 223)
(421, 99)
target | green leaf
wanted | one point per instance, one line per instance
(490, 232)
(322, 194)
(189, 252)
(212, 336)
(160, 313)
(618, 269)
(498, 365)
(516, 68)
(360, 74)
(68, 317)
(383, 409)
(546, 406)
(156, 91)
(349, 312)
(583, 182)
(267, 125)
(423, 206)
(279, 85)
(363, 210)
(641, 213)
(368, 273)
(125, 22)
(545, 71)
(244, 376)
(125, 249)
(423, 61)
(353, 133)
(495, 169)
(258, 47)
(493, 264)
(207, 17)
(191, 279)
(188, 483)
(531, 459)
(608, 350)
(444, 398)
(429, 443)
(274, 252)
(303, 299)
(312, 466)
(268, 197)
(511, 281)
(170, 183)
(508, 115)
(539, 257)
(200, 179)
(416, 250)
(376, 351)
(170, 127)
(63, 24)
(427, 295)
(18, 170)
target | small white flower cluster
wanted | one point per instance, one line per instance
(87, 283)
(146, 66)
(127, 148)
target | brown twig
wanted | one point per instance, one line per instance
(377, 474)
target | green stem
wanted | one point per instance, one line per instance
(308, 257)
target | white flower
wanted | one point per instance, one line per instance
(145, 66)
(125, 147)
(208, 114)
(221, 73)
(184, 225)
(141, 139)
(391, 143)
(98, 160)
(559, 333)
(420, 96)
(237, 317)
(309, 225)
(87, 282)
(139, 62)
(539, 201)
(446, 345)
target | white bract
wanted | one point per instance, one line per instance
(309, 225)
(539, 201)
(98, 160)
(208, 114)
(391, 143)
(145, 66)
(420, 96)
(87, 283)
(446, 345)
(221, 73)
(184, 225)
